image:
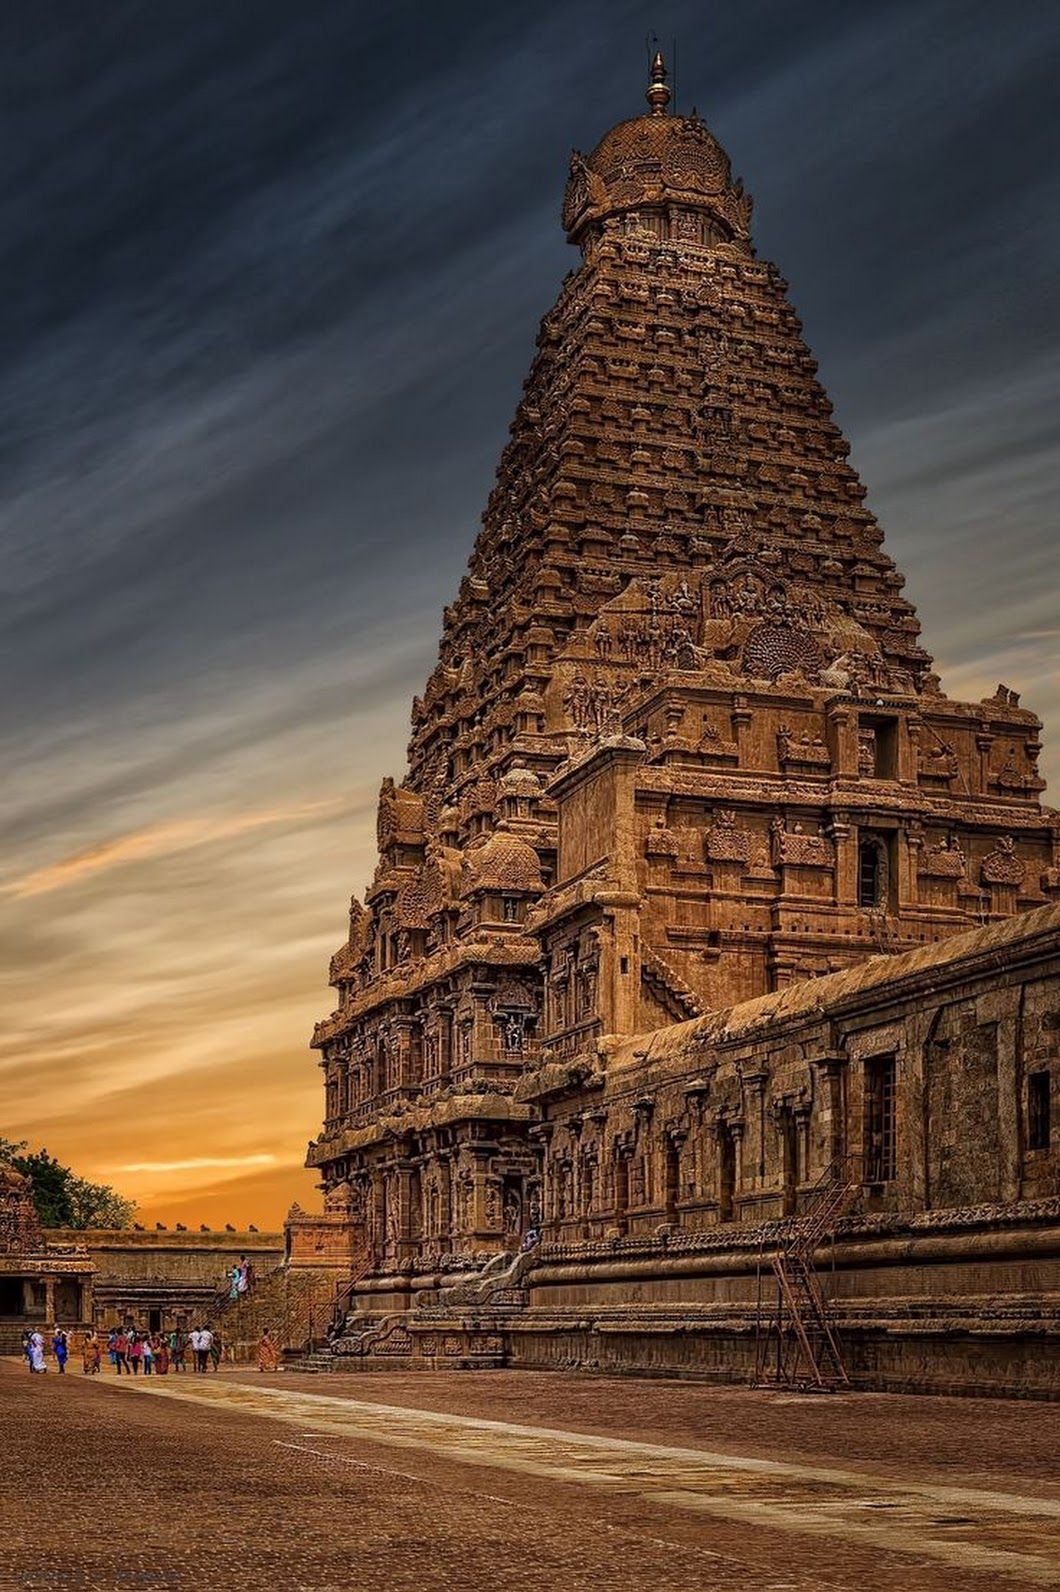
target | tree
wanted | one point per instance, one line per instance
(98, 1205)
(62, 1198)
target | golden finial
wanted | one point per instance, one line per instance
(658, 95)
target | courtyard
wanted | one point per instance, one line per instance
(517, 1481)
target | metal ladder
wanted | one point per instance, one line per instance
(799, 1348)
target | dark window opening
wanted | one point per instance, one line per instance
(871, 873)
(789, 1139)
(726, 1173)
(1039, 1125)
(878, 748)
(624, 964)
(673, 1180)
(879, 1136)
(621, 1192)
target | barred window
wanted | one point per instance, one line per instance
(1039, 1125)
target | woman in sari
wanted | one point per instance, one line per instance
(161, 1355)
(91, 1354)
(233, 1283)
(268, 1354)
(36, 1353)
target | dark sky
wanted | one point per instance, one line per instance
(271, 279)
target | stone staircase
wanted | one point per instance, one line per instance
(288, 1302)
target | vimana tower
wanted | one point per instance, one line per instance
(682, 749)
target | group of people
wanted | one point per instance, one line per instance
(156, 1353)
(33, 1349)
(240, 1278)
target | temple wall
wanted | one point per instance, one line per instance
(168, 1275)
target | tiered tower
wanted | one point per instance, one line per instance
(682, 745)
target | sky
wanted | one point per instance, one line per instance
(271, 276)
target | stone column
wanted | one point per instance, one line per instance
(49, 1300)
(908, 732)
(402, 1185)
(983, 742)
(832, 1067)
(842, 836)
(445, 1197)
(843, 739)
(741, 718)
(754, 1154)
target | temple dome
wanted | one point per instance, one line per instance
(520, 782)
(505, 863)
(654, 162)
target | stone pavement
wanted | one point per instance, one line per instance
(517, 1481)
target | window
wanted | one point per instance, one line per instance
(726, 1172)
(789, 1147)
(878, 748)
(872, 872)
(879, 1135)
(1038, 1111)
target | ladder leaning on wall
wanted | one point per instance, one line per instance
(797, 1346)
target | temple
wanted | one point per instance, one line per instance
(687, 815)
(42, 1281)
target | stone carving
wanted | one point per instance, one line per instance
(945, 860)
(937, 760)
(805, 750)
(867, 753)
(725, 842)
(662, 841)
(773, 650)
(1002, 866)
(793, 848)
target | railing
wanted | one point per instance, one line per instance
(326, 1319)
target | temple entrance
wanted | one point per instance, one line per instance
(12, 1301)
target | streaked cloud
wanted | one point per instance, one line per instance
(163, 840)
(200, 1163)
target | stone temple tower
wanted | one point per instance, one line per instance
(682, 745)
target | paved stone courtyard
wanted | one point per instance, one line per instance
(517, 1481)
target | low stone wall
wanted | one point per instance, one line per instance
(942, 1302)
(166, 1273)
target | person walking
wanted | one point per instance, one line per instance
(205, 1345)
(198, 1353)
(148, 1353)
(91, 1353)
(136, 1352)
(216, 1349)
(25, 1350)
(161, 1348)
(61, 1349)
(178, 1345)
(36, 1352)
(268, 1353)
(121, 1352)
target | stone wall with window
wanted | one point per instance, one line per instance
(930, 1079)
